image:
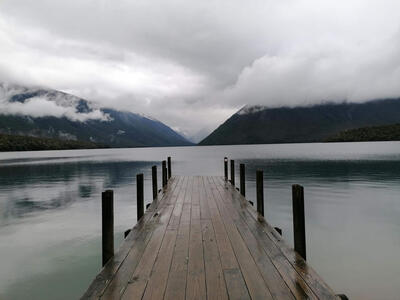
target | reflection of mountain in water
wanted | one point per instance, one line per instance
(40, 187)
(331, 170)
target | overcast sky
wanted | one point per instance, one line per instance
(191, 64)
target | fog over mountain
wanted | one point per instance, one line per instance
(192, 64)
(46, 113)
(38, 102)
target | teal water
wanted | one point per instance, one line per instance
(50, 217)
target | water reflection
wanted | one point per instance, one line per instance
(36, 187)
(50, 209)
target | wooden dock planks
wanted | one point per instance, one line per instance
(201, 240)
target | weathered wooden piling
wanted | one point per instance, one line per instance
(260, 192)
(169, 167)
(154, 181)
(299, 229)
(232, 172)
(164, 173)
(278, 230)
(139, 196)
(226, 168)
(242, 180)
(126, 233)
(107, 225)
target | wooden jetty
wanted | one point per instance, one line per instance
(201, 239)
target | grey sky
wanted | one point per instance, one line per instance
(191, 64)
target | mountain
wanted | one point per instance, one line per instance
(28, 143)
(364, 134)
(53, 114)
(263, 125)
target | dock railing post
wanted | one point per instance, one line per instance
(242, 180)
(260, 192)
(154, 181)
(164, 173)
(169, 167)
(299, 229)
(226, 168)
(107, 225)
(232, 172)
(139, 196)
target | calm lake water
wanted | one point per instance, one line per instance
(50, 210)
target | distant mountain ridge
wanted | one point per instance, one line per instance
(263, 125)
(47, 113)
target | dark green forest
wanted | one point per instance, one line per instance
(364, 134)
(28, 143)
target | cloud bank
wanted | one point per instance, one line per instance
(191, 64)
(45, 105)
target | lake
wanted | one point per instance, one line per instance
(50, 210)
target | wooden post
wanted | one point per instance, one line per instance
(226, 168)
(260, 191)
(232, 172)
(139, 196)
(169, 168)
(126, 233)
(154, 181)
(164, 173)
(242, 180)
(278, 230)
(107, 225)
(299, 229)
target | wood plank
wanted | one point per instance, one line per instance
(146, 263)
(292, 279)
(138, 235)
(202, 240)
(176, 214)
(178, 273)
(195, 285)
(254, 282)
(280, 251)
(158, 279)
(159, 275)
(215, 281)
(227, 256)
(271, 276)
(235, 284)
(204, 210)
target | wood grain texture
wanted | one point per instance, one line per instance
(202, 240)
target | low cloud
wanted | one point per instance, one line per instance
(49, 105)
(191, 64)
(41, 107)
(315, 75)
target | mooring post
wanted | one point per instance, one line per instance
(278, 230)
(154, 181)
(164, 173)
(226, 168)
(260, 191)
(232, 172)
(126, 233)
(299, 228)
(139, 196)
(107, 225)
(169, 167)
(242, 180)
